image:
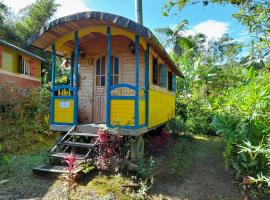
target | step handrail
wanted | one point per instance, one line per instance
(72, 129)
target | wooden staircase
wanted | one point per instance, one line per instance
(82, 144)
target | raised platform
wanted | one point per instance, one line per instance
(93, 128)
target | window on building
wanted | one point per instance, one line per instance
(114, 70)
(100, 71)
(163, 76)
(155, 71)
(170, 80)
(24, 66)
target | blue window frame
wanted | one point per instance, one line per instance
(164, 74)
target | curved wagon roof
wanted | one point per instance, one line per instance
(64, 25)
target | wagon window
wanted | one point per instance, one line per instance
(114, 70)
(100, 71)
(155, 71)
(163, 76)
(170, 80)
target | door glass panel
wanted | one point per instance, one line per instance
(116, 66)
(98, 67)
(102, 81)
(103, 66)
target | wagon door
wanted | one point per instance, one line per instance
(100, 91)
(101, 84)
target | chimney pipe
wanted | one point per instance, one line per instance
(138, 12)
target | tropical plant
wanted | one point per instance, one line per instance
(242, 118)
(71, 161)
(107, 155)
(175, 38)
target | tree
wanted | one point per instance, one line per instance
(36, 15)
(3, 11)
(252, 14)
(176, 37)
(17, 29)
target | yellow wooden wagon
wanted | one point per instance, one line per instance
(121, 76)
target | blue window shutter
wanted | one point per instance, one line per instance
(164, 76)
(173, 82)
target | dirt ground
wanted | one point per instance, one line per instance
(204, 176)
(189, 169)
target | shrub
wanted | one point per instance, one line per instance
(23, 114)
(243, 119)
(107, 154)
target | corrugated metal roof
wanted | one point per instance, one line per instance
(20, 50)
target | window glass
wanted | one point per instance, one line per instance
(170, 81)
(100, 72)
(155, 71)
(114, 70)
(98, 67)
(24, 66)
(103, 66)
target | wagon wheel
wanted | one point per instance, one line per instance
(137, 149)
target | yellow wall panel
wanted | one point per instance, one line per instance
(161, 107)
(141, 111)
(10, 60)
(63, 110)
(122, 112)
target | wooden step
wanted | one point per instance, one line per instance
(55, 169)
(78, 144)
(64, 155)
(84, 134)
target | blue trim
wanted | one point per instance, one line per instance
(141, 126)
(76, 66)
(61, 87)
(124, 127)
(124, 97)
(64, 124)
(108, 109)
(63, 97)
(123, 85)
(53, 83)
(137, 43)
(147, 85)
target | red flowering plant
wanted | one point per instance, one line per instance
(107, 151)
(71, 160)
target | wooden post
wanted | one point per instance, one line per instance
(76, 67)
(71, 69)
(53, 84)
(146, 85)
(137, 43)
(108, 108)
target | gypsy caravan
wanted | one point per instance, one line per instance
(121, 76)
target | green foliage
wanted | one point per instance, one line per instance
(252, 14)
(242, 117)
(175, 37)
(30, 19)
(36, 15)
(176, 125)
(23, 114)
(145, 169)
